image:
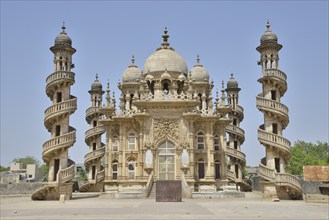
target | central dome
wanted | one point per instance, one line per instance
(165, 58)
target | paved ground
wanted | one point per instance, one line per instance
(91, 207)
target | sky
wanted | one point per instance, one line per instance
(107, 33)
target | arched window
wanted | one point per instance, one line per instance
(216, 143)
(131, 169)
(200, 99)
(115, 143)
(115, 170)
(201, 169)
(131, 100)
(200, 141)
(131, 141)
(217, 169)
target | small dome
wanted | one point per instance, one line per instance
(132, 73)
(149, 78)
(165, 58)
(63, 38)
(166, 75)
(182, 77)
(199, 73)
(268, 36)
(232, 83)
(96, 85)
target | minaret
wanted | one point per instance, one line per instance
(94, 133)
(57, 116)
(236, 134)
(276, 119)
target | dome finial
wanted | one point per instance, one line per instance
(165, 37)
(198, 61)
(133, 59)
(232, 76)
(63, 27)
(268, 24)
(96, 77)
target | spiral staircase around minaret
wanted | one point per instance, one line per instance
(56, 121)
(93, 135)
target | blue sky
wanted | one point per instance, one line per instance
(107, 33)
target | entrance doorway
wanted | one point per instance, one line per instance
(166, 161)
(56, 168)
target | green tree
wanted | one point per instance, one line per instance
(81, 176)
(26, 160)
(44, 171)
(307, 154)
(3, 168)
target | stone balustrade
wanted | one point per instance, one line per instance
(66, 174)
(94, 131)
(271, 104)
(236, 153)
(60, 141)
(58, 108)
(273, 140)
(100, 176)
(275, 73)
(235, 130)
(230, 175)
(91, 110)
(288, 179)
(94, 154)
(266, 173)
(59, 75)
(166, 96)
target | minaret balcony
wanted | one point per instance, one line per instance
(236, 131)
(94, 155)
(57, 143)
(58, 109)
(275, 73)
(58, 78)
(269, 139)
(236, 154)
(98, 130)
(277, 108)
(276, 78)
(266, 173)
(286, 179)
(90, 112)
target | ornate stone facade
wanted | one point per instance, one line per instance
(169, 128)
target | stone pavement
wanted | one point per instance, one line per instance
(90, 206)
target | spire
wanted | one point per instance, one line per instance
(63, 28)
(268, 25)
(165, 44)
(217, 99)
(222, 103)
(113, 99)
(198, 61)
(132, 61)
(108, 96)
